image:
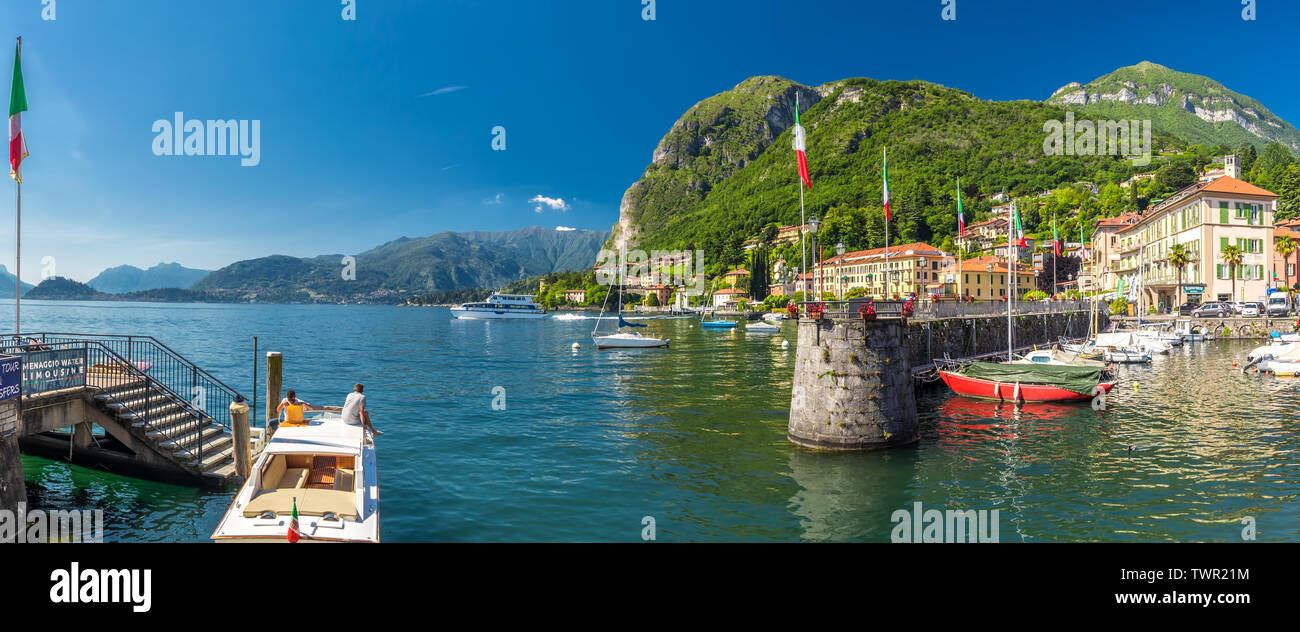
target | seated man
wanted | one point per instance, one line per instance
(292, 407)
(354, 410)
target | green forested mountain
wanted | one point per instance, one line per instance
(1194, 108)
(726, 170)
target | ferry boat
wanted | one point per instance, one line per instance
(321, 468)
(500, 306)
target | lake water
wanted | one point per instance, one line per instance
(590, 442)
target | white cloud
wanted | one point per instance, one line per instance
(493, 200)
(555, 204)
(443, 91)
(564, 229)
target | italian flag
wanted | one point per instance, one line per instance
(17, 104)
(1020, 231)
(294, 534)
(1056, 240)
(961, 218)
(800, 148)
(884, 169)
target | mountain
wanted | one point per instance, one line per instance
(61, 288)
(7, 284)
(126, 278)
(407, 266)
(1194, 108)
(726, 169)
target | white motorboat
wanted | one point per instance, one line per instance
(774, 317)
(321, 471)
(762, 328)
(1057, 357)
(1153, 346)
(1126, 356)
(500, 306)
(628, 340)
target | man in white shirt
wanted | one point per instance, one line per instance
(354, 410)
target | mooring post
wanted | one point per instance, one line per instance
(852, 392)
(274, 379)
(239, 427)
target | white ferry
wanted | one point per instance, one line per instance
(501, 306)
(319, 473)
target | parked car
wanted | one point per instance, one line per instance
(1252, 309)
(1186, 309)
(1279, 304)
(1212, 310)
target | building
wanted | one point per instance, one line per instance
(982, 235)
(784, 235)
(1284, 269)
(575, 296)
(1135, 178)
(892, 272)
(1231, 168)
(1205, 218)
(662, 292)
(985, 278)
(1097, 273)
(728, 298)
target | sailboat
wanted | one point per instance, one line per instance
(717, 323)
(621, 339)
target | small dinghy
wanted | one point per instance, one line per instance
(763, 328)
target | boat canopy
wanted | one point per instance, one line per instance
(1077, 379)
(327, 435)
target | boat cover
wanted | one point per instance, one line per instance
(1076, 379)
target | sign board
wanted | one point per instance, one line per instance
(1193, 289)
(11, 377)
(52, 370)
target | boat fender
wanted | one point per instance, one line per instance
(997, 390)
(1016, 395)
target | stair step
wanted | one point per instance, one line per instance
(214, 460)
(183, 441)
(164, 423)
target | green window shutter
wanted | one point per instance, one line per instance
(1259, 271)
(1223, 212)
(1223, 243)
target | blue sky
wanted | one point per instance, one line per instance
(382, 127)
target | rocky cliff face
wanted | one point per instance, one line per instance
(1196, 108)
(711, 141)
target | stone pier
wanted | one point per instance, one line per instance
(852, 386)
(12, 488)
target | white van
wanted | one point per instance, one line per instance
(1279, 304)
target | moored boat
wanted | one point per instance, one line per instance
(628, 340)
(1027, 382)
(762, 328)
(718, 324)
(319, 473)
(500, 306)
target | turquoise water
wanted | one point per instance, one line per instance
(592, 442)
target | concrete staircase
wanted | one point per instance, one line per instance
(186, 437)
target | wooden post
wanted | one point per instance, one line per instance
(274, 379)
(81, 435)
(239, 427)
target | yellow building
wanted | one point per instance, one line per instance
(907, 269)
(985, 278)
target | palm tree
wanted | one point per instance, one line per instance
(1285, 246)
(1179, 258)
(1232, 256)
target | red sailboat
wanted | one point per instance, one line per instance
(1026, 382)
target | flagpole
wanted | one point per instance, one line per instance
(1010, 291)
(803, 223)
(885, 166)
(18, 246)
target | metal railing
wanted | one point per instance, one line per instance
(933, 310)
(107, 370)
(165, 366)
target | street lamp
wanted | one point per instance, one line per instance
(989, 267)
(920, 260)
(839, 253)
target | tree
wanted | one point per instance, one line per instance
(1179, 257)
(1285, 246)
(1232, 256)
(652, 299)
(1175, 176)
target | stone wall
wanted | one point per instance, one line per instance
(852, 386)
(12, 488)
(966, 337)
